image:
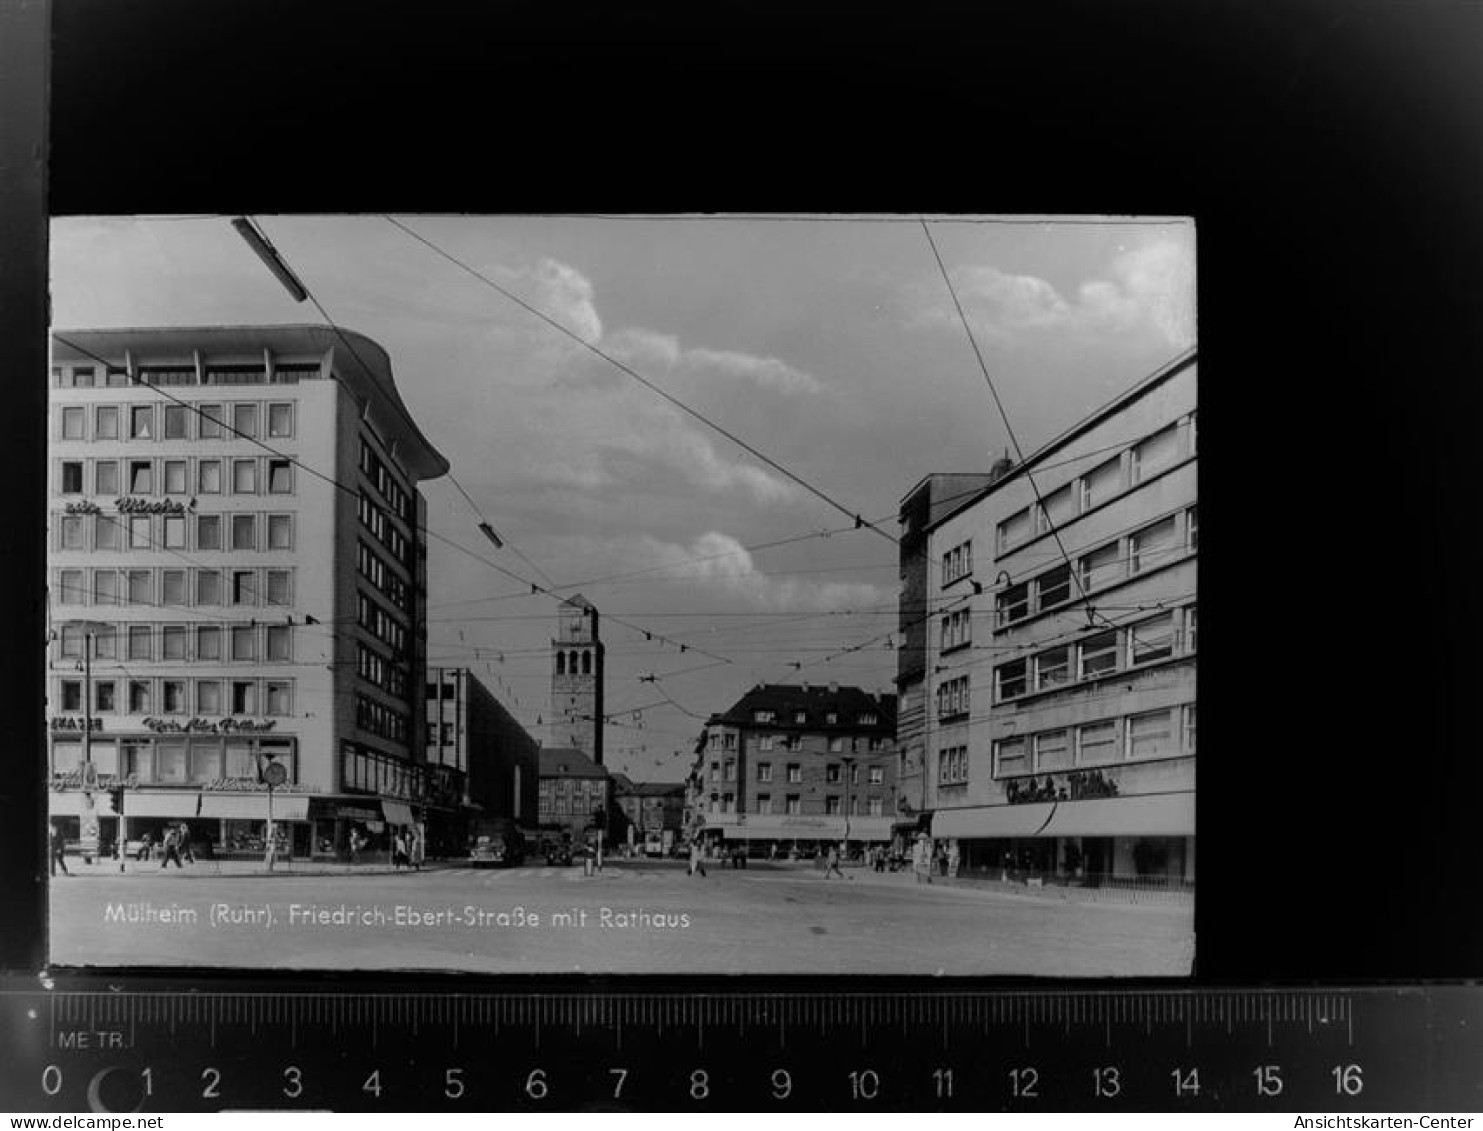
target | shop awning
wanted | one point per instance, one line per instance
(993, 822)
(177, 803)
(254, 806)
(397, 812)
(69, 804)
(1160, 814)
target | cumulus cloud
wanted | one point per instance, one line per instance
(639, 346)
(719, 561)
(1149, 289)
(566, 295)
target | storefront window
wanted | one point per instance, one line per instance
(137, 759)
(205, 760)
(105, 755)
(170, 761)
(240, 762)
(66, 757)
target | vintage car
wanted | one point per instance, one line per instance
(497, 849)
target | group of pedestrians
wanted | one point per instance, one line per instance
(407, 849)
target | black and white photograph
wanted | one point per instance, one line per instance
(624, 594)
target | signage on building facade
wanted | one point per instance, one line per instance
(72, 722)
(1080, 785)
(206, 726)
(85, 506)
(128, 504)
(72, 779)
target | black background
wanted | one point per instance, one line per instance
(1331, 154)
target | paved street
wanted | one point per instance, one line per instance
(634, 917)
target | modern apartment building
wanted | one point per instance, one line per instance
(237, 578)
(1060, 665)
(798, 767)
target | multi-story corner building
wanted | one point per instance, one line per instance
(237, 579)
(1060, 661)
(799, 766)
(573, 791)
(577, 679)
(473, 736)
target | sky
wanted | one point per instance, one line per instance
(833, 347)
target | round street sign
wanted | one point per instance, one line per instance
(275, 773)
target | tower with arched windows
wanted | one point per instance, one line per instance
(576, 679)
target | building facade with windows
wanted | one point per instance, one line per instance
(651, 807)
(237, 570)
(475, 740)
(573, 791)
(798, 767)
(1061, 653)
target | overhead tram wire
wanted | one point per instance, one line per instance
(631, 372)
(353, 493)
(834, 218)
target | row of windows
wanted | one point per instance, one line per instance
(957, 630)
(182, 696)
(441, 734)
(567, 664)
(1103, 653)
(274, 420)
(832, 772)
(384, 673)
(952, 766)
(246, 476)
(1124, 471)
(385, 482)
(952, 697)
(376, 570)
(835, 743)
(178, 761)
(1144, 549)
(374, 519)
(380, 720)
(369, 771)
(957, 562)
(114, 377)
(238, 530)
(175, 588)
(172, 642)
(831, 718)
(793, 805)
(381, 624)
(1153, 734)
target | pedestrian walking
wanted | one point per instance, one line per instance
(399, 850)
(419, 848)
(146, 847)
(831, 863)
(58, 844)
(185, 844)
(172, 849)
(921, 861)
(697, 858)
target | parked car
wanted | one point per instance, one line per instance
(498, 847)
(558, 855)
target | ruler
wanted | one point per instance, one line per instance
(326, 1047)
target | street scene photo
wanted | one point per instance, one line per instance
(623, 594)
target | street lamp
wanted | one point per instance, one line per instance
(849, 763)
(88, 822)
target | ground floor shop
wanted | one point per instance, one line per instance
(796, 837)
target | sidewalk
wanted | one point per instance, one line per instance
(214, 869)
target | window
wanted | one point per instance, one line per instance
(140, 641)
(172, 587)
(793, 805)
(764, 742)
(952, 697)
(71, 695)
(278, 593)
(141, 422)
(792, 742)
(1056, 509)
(276, 693)
(868, 719)
(244, 592)
(957, 563)
(1152, 455)
(280, 477)
(1192, 529)
(957, 630)
(72, 534)
(172, 696)
(952, 766)
(1010, 679)
(108, 533)
(244, 697)
(105, 642)
(1053, 588)
(244, 642)
(764, 804)
(175, 477)
(715, 771)
(74, 424)
(1014, 603)
(836, 745)
(831, 804)
(175, 426)
(244, 476)
(1150, 546)
(208, 532)
(1189, 629)
(105, 587)
(854, 775)
(72, 477)
(795, 773)
(1052, 750)
(1151, 640)
(727, 800)
(140, 588)
(208, 587)
(280, 420)
(1097, 655)
(800, 717)
(205, 762)
(1101, 483)
(1052, 668)
(208, 642)
(764, 771)
(876, 807)
(1189, 729)
(71, 590)
(139, 532)
(105, 422)
(1150, 735)
(831, 717)
(141, 477)
(103, 697)
(174, 532)
(831, 773)
(105, 477)
(139, 697)
(877, 775)
(208, 696)
(1014, 529)
(1100, 567)
(764, 716)
(1009, 755)
(244, 531)
(1096, 743)
(172, 642)
(280, 531)
(244, 419)
(210, 418)
(730, 769)
(71, 642)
